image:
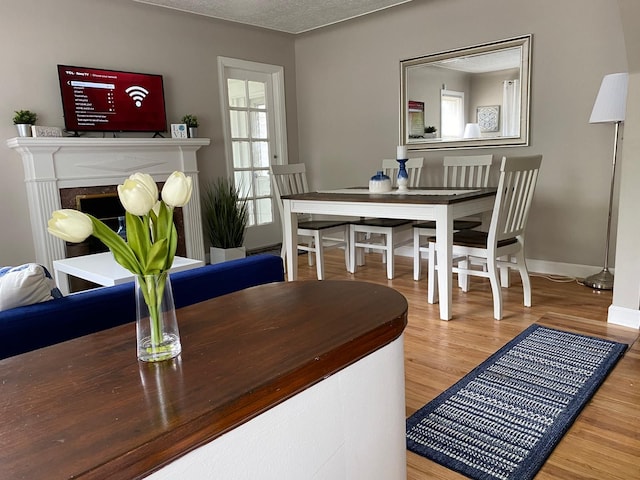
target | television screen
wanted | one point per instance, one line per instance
(97, 100)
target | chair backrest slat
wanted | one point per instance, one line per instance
(467, 171)
(288, 180)
(518, 177)
(413, 166)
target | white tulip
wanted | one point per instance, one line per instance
(146, 180)
(70, 225)
(137, 195)
(177, 190)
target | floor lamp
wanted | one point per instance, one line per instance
(610, 107)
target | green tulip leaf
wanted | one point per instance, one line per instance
(122, 252)
(156, 261)
(138, 236)
(172, 242)
(165, 220)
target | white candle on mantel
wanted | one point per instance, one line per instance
(401, 152)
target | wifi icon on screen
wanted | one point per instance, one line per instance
(137, 94)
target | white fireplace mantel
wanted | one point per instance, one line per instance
(67, 162)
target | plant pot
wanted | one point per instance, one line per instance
(24, 129)
(219, 255)
(193, 132)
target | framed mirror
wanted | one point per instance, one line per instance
(472, 97)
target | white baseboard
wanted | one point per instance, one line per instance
(566, 269)
(625, 317)
(539, 266)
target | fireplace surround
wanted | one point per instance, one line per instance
(52, 165)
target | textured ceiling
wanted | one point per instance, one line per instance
(290, 16)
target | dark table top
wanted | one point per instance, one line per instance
(435, 199)
(87, 408)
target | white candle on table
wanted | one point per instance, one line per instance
(401, 152)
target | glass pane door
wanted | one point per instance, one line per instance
(248, 119)
(252, 143)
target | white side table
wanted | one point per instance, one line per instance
(101, 268)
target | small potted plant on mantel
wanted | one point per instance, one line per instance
(225, 214)
(23, 119)
(192, 125)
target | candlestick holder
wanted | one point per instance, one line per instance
(403, 176)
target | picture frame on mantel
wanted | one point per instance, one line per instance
(42, 131)
(179, 130)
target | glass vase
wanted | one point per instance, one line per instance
(157, 332)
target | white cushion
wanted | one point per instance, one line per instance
(26, 284)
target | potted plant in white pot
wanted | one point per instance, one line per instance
(23, 119)
(225, 214)
(430, 131)
(192, 124)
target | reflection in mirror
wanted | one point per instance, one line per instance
(467, 98)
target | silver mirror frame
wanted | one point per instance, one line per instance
(524, 42)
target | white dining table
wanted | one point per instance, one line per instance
(441, 205)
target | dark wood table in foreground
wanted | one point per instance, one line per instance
(87, 408)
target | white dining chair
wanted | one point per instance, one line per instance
(505, 238)
(459, 172)
(314, 235)
(384, 234)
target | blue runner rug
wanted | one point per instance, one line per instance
(503, 419)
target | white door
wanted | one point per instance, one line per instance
(252, 99)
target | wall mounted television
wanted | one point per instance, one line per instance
(98, 100)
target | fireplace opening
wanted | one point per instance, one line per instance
(105, 206)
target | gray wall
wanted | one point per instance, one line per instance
(348, 103)
(36, 35)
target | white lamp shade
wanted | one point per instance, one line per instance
(611, 102)
(471, 130)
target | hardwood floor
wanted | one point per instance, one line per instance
(603, 443)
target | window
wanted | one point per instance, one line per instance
(452, 111)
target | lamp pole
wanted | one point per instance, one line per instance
(604, 279)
